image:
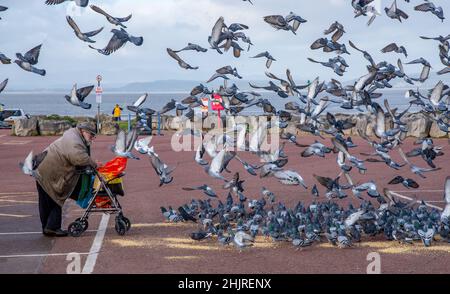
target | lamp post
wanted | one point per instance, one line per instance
(98, 92)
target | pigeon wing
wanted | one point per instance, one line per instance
(447, 190)
(93, 33)
(425, 7)
(3, 85)
(114, 44)
(124, 19)
(99, 10)
(140, 100)
(54, 2)
(84, 92)
(120, 141)
(389, 48)
(32, 56)
(73, 24)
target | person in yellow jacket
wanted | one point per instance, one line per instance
(117, 112)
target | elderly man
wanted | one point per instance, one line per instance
(57, 174)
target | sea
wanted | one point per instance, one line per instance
(54, 103)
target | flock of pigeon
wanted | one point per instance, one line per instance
(240, 219)
(120, 37)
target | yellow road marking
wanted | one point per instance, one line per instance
(15, 215)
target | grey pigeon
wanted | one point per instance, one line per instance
(118, 40)
(3, 85)
(266, 55)
(31, 58)
(180, 61)
(3, 8)
(205, 188)
(4, 59)
(114, 20)
(430, 7)
(192, 46)
(82, 36)
(81, 3)
(124, 144)
(395, 48)
(77, 96)
(338, 30)
(395, 13)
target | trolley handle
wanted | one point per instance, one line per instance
(122, 174)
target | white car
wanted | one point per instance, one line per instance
(8, 116)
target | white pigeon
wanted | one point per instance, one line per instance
(124, 144)
(289, 177)
(27, 165)
(141, 145)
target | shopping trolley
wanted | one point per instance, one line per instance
(105, 186)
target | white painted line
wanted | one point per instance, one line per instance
(15, 215)
(96, 245)
(17, 201)
(39, 255)
(17, 193)
(30, 233)
(16, 143)
(418, 201)
(419, 191)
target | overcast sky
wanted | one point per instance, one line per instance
(174, 23)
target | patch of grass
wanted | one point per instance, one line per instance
(64, 118)
(123, 124)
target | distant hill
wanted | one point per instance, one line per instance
(187, 85)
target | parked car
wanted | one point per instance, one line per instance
(8, 116)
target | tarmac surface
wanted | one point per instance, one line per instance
(154, 246)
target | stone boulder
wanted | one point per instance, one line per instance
(418, 125)
(109, 128)
(435, 131)
(53, 127)
(25, 127)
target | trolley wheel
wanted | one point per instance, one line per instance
(127, 222)
(121, 227)
(83, 222)
(75, 229)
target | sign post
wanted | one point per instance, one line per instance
(98, 99)
(217, 105)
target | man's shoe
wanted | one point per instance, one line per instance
(55, 233)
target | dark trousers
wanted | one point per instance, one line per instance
(49, 212)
